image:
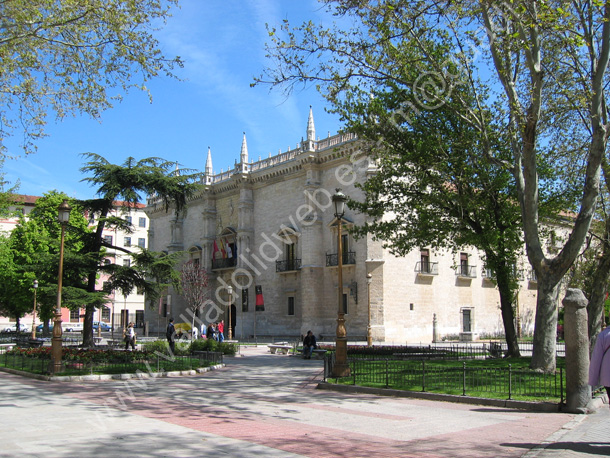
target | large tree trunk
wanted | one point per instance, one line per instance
(545, 331)
(595, 308)
(508, 316)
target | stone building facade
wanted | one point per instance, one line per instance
(270, 225)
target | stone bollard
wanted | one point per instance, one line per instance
(578, 391)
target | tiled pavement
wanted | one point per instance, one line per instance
(264, 405)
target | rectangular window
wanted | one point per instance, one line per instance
(244, 300)
(126, 262)
(464, 264)
(289, 252)
(425, 261)
(108, 239)
(466, 321)
(142, 242)
(105, 314)
(128, 219)
(290, 305)
(142, 222)
(344, 244)
(74, 314)
(139, 318)
(127, 241)
(124, 318)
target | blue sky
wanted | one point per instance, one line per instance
(222, 43)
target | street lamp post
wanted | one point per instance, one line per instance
(56, 350)
(35, 286)
(99, 321)
(369, 337)
(340, 367)
(230, 292)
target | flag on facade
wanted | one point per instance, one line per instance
(217, 254)
(260, 304)
(223, 251)
(229, 251)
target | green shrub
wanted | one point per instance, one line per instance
(181, 348)
(213, 345)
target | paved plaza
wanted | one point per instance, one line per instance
(263, 405)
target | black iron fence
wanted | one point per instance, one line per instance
(152, 363)
(461, 379)
(454, 350)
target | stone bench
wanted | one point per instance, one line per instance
(282, 348)
(316, 352)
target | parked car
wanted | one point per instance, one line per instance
(13, 328)
(40, 326)
(104, 326)
(73, 327)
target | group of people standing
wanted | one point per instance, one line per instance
(213, 331)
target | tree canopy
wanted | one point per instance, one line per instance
(60, 58)
(540, 66)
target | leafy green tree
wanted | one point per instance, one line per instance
(35, 247)
(441, 189)
(541, 66)
(13, 303)
(73, 57)
(129, 183)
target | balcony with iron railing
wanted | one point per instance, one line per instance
(466, 271)
(224, 263)
(288, 265)
(348, 258)
(426, 268)
(488, 274)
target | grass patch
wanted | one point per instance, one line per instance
(508, 378)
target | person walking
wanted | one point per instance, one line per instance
(221, 331)
(170, 333)
(599, 368)
(130, 337)
(309, 344)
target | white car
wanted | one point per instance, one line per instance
(13, 328)
(72, 327)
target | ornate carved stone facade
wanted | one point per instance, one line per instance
(271, 223)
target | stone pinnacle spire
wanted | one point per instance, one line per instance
(311, 129)
(244, 151)
(208, 164)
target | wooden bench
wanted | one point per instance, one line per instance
(280, 348)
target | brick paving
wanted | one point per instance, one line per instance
(266, 405)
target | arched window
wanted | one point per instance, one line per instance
(291, 260)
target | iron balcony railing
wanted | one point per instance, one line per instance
(531, 276)
(349, 257)
(426, 268)
(466, 271)
(488, 273)
(287, 265)
(223, 263)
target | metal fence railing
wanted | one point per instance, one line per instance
(424, 375)
(152, 363)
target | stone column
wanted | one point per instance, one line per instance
(578, 392)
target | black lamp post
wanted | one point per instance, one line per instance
(369, 337)
(56, 350)
(340, 367)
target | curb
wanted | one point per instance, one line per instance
(105, 377)
(507, 403)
